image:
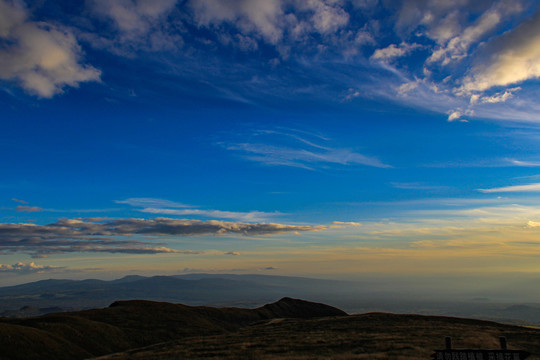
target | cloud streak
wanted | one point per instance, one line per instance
(166, 207)
(516, 188)
(113, 236)
(282, 148)
(28, 208)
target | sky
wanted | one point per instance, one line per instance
(322, 138)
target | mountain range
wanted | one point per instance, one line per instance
(226, 290)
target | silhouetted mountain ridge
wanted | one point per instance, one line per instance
(135, 323)
(288, 328)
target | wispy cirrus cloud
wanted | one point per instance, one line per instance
(524, 163)
(167, 207)
(515, 188)
(290, 147)
(417, 186)
(152, 202)
(115, 236)
(216, 214)
(470, 53)
(19, 201)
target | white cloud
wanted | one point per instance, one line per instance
(458, 46)
(454, 115)
(517, 188)
(21, 268)
(41, 57)
(167, 207)
(340, 224)
(500, 96)
(509, 59)
(133, 16)
(302, 158)
(262, 16)
(216, 214)
(457, 114)
(524, 163)
(327, 15)
(137, 25)
(273, 20)
(302, 152)
(533, 224)
(151, 202)
(392, 52)
(407, 87)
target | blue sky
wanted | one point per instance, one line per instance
(316, 138)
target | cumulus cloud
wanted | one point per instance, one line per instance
(264, 17)
(272, 20)
(41, 57)
(136, 16)
(136, 25)
(31, 267)
(516, 188)
(458, 46)
(509, 59)
(112, 236)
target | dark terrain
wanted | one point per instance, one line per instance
(287, 329)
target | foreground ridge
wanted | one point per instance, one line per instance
(140, 329)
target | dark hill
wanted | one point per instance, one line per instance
(369, 336)
(293, 308)
(131, 324)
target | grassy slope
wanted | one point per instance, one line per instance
(368, 336)
(130, 324)
(154, 330)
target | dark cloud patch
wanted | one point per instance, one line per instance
(111, 236)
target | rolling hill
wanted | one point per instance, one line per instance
(289, 328)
